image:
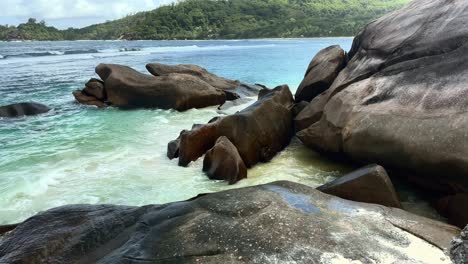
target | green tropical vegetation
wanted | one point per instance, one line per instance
(223, 19)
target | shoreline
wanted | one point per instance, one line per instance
(198, 40)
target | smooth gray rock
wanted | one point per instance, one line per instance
(369, 184)
(23, 109)
(402, 100)
(321, 73)
(281, 222)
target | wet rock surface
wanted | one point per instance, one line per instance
(23, 109)
(273, 223)
(223, 162)
(402, 101)
(259, 132)
(369, 184)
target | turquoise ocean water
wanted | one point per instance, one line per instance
(80, 154)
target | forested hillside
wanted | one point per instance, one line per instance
(226, 19)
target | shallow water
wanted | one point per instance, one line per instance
(80, 154)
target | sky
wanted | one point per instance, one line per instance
(72, 13)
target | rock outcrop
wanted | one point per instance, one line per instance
(223, 162)
(369, 184)
(258, 132)
(23, 109)
(281, 222)
(459, 248)
(83, 98)
(321, 73)
(158, 69)
(126, 87)
(402, 99)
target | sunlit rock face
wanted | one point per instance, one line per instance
(281, 222)
(402, 100)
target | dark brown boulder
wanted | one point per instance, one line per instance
(258, 132)
(455, 208)
(369, 184)
(281, 222)
(95, 87)
(23, 109)
(298, 107)
(158, 69)
(128, 88)
(223, 162)
(321, 73)
(402, 99)
(82, 98)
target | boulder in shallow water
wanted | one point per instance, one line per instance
(85, 99)
(402, 99)
(128, 88)
(281, 222)
(23, 109)
(158, 69)
(455, 208)
(321, 73)
(258, 132)
(223, 162)
(369, 184)
(95, 87)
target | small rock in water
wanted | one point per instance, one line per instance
(23, 109)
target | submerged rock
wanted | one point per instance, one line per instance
(258, 132)
(223, 162)
(402, 101)
(23, 109)
(280, 222)
(369, 184)
(459, 248)
(158, 69)
(321, 73)
(126, 87)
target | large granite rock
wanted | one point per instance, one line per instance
(258, 132)
(459, 248)
(281, 222)
(158, 69)
(95, 87)
(321, 73)
(23, 109)
(223, 162)
(126, 87)
(83, 98)
(369, 184)
(402, 99)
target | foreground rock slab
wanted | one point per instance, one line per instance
(281, 222)
(223, 162)
(259, 132)
(402, 101)
(369, 184)
(321, 73)
(23, 109)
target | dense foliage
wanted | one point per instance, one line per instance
(227, 19)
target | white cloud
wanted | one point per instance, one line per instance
(73, 10)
